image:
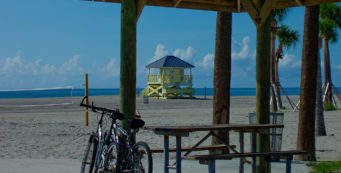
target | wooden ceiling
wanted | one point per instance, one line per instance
(258, 15)
(225, 5)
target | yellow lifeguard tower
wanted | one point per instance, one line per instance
(171, 82)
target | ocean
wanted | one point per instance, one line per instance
(69, 92)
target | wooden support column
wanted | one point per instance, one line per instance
(263, 55)
(258, 13)
(128, 61)
(86, 91)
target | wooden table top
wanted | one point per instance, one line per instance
(191, 128)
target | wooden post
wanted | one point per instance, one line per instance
(128, 61)
(128, 66)
(86, 94)
(205, 94)
(263, 55)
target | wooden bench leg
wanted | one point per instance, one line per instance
(288, 165)
(241, 150)
(178, 154)
(211, 166)
(166, 149)
(253, 149)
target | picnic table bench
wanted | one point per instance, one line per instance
(200, 148)
(210, 159)
(184, 131)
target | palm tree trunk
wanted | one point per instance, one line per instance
(272, 67)
(327, 75)
(222, 75)
(320, 127)
(306, 123)
(277, 85)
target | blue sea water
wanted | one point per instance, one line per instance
(115, 91)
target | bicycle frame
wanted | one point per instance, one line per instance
(100, 145)
(128, 136)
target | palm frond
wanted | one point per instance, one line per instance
(279, 14)
(327, 29)
(331, 12)
(287, 37)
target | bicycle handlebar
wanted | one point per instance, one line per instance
(112, 113)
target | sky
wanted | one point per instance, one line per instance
(53, 43)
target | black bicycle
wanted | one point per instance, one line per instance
(103, 153)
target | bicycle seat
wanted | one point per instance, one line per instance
(136, 123)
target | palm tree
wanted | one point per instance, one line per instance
(222, 74)
(330, 21)
(287, 38)
(320, 128)
(278, 16)
(306, 122)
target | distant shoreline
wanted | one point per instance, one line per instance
(72, 92)
(69, 92)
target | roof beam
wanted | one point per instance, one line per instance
(139, 8)
(228, 5)
(299, 2)
(238, 6)
(265, 11)
(279, 4)
(251, 9)
(177, 2)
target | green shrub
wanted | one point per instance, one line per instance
(327, 167)
(329, 107)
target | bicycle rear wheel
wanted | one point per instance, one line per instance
(142, 161)
(89, 155)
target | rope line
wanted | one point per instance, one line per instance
(38, 89)
(54, 104)
(71, 88)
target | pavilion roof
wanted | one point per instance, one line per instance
(258, 15)
(169, 61)
(225, 5)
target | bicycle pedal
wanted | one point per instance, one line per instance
(172, 167)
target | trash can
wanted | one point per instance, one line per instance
(275, 133)
(145, 99)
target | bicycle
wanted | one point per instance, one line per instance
(105, 151)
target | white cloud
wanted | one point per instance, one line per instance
(12, 65)
(207, 62)
(339, 67)
(48, 69)
(289, 61)
(18, 66)
(184, 54)
(160, 51)
(70, 66)
(245, 52)
(112, 69)
(296, 64)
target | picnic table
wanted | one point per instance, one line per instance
(185, 130)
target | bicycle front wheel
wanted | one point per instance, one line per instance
(89, 157)
(142, 158)
(111, 160)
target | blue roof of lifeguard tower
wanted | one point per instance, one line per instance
(169, 61)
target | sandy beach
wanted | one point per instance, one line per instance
(52, 138)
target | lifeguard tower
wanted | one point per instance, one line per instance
(170, 80)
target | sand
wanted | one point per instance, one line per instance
(41, 138)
